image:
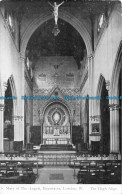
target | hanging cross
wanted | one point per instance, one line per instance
(55, 12)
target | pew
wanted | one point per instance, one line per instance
(98, 172)
(19, 172)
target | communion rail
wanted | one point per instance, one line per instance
(55, 158)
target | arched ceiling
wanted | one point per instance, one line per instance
(67, 43)
(89, 9)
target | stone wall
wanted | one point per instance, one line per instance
(56, 74)
(106, 50)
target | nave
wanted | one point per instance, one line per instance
(60, 91)
(59, 168)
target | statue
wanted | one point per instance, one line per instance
(55, 12)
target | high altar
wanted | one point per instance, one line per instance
(56, 126)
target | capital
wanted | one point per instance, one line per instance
(22, 58)
(113, 107)
(91, 56)
(95, 117)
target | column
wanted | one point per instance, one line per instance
(2, 107)
(90, 89)
(102, 147)
(19, 114)
(21, 102)
(16, 128)
(71, 124)
(114, 129)
(28, 132)
(41, 128)
(1, 127)
(85, 132)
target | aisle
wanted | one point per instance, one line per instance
(56, 175)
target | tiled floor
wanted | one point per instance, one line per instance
(56, 175)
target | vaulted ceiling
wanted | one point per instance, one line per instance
(67, 43)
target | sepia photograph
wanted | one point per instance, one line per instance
(60, 95)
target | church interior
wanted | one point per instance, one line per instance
(60, 91)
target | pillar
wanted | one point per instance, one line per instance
(41, 128)
(19, 114)
(28, 132)
(114, 130)
(21, 102)
(85, 130)
(90, 89)
(2, 106)
(1, 127)
(71, 123)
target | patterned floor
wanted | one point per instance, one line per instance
(56, 175)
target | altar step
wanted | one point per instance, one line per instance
(56, 147)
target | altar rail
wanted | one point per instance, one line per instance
(19, 156)
(56, 158)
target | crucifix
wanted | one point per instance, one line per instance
(55, 12)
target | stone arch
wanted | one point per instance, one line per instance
(45, 112)
(54, 101)
(62, 15)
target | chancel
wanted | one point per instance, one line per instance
(61, 69)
